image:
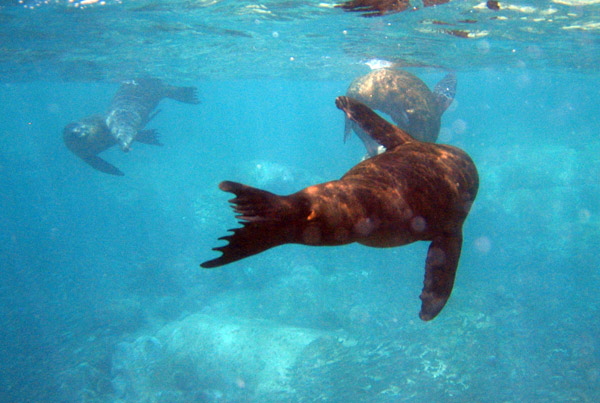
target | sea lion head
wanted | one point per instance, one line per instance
(76, 132)
(89, 137)
(86, 136)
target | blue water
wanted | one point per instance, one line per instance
(102, 297)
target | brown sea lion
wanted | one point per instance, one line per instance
(376, 8)
(406, 99)
(414, 191)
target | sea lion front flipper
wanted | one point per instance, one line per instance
(445, 91)
(374, 125)
(440, 270)
(149, 137)
(101, 165)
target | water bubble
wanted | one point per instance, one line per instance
(483, 244)
(418, 224)
(275, 34)
(483, 46)
(53, 108)
(524, 80)
(584, 215)
(535, 52)
(364, 227)
(459, 126)
(436, 256)
(445, 135)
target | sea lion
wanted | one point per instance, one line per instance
(90, 136)
(134, 101)
(374, 8)
(377, 8)
(414, 191)
(406, 99)
(130, 110)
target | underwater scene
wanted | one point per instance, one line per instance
(299, 201)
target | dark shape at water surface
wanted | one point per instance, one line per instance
(376, 8)
(406, 99)
(414, 191)
(493, 5)
(130, 110)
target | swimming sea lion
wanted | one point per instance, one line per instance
(130, 110)
(134, 101)
(414, 191)
(90, 136)
(376, 8)
(406, 99)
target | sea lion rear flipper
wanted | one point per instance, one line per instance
(101, 165)
(188, 95)
(375, 126)
(149, 137)
(264, 219)
(440, 270)
(445, 91)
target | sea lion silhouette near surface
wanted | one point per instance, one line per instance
(406, 99)
(414, 191)
(130, 110)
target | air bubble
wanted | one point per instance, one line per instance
(483, 244)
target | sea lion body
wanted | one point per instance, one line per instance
(414, 191)
(406, 99)
(130, 110)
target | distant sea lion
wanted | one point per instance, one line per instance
(130, 110)
(414, 191)
(377, 8)
(134, 101)
(406, 99)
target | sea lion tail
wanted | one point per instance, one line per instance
(265, 219)
(188, 95)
